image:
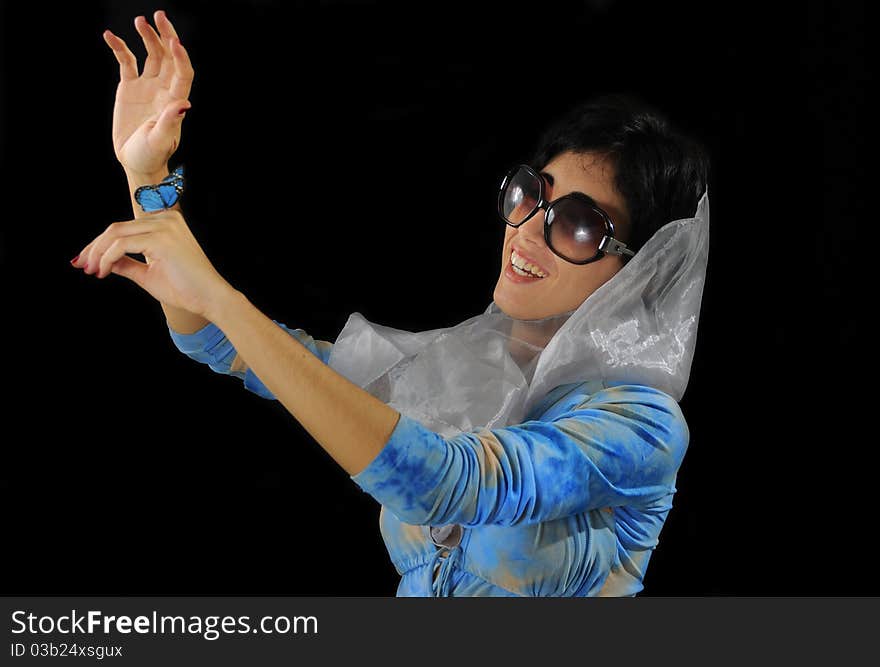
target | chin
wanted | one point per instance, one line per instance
(516, 311)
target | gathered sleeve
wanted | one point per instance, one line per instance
(209, 345)
(623, 445)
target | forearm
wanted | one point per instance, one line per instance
(351, 424)
(179, 320)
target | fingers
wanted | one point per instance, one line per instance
(168, 124)
(82, 259)
(90, 257)
(165, 28)
(139, 243)
(169, 35)
(156, 51)
(127, 62)
(181, 81)
(177, 72)
(130, 268)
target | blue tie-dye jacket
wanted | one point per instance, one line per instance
(568, 503)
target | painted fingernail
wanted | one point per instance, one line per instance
(73, 261)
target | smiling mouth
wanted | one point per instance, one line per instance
(525, 273)
(523, 266)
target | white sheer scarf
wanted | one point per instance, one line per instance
(640, 327)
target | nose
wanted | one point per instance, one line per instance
(532, 230)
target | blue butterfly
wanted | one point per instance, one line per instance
(162, 195)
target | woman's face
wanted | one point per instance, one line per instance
(565, 285)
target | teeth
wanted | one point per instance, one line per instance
(521, 263)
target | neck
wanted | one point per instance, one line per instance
(529, 338)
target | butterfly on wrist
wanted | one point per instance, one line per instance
(162, 195)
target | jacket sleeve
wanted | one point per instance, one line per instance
(209, 345)
(621, 446)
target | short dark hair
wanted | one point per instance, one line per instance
(660, 172)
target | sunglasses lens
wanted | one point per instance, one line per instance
(576, 230)
(519, 196)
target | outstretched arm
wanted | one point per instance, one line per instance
(209, 345)
(622, 446)
(348, 422)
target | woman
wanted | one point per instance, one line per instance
(530, 450)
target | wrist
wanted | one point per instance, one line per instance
(139, 178)
(225, 300)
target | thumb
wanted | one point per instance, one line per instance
(171, 117)
(130, 268)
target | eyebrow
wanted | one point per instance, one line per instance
(550, 180)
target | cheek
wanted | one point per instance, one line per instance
(572, 285)
(505, 245)
(577, 283)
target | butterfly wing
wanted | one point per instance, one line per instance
(175, 178)
(149, 198)
(169, 194)
(161, 196)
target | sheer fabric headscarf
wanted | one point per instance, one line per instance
(639, 327)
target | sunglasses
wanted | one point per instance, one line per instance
(575, 228)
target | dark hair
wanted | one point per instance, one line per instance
(659, 171)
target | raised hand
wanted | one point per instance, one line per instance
(149, 108)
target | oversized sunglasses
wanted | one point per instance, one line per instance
(575, 227)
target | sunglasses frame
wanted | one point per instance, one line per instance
(607, 246)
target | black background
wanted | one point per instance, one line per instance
(316, 136)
